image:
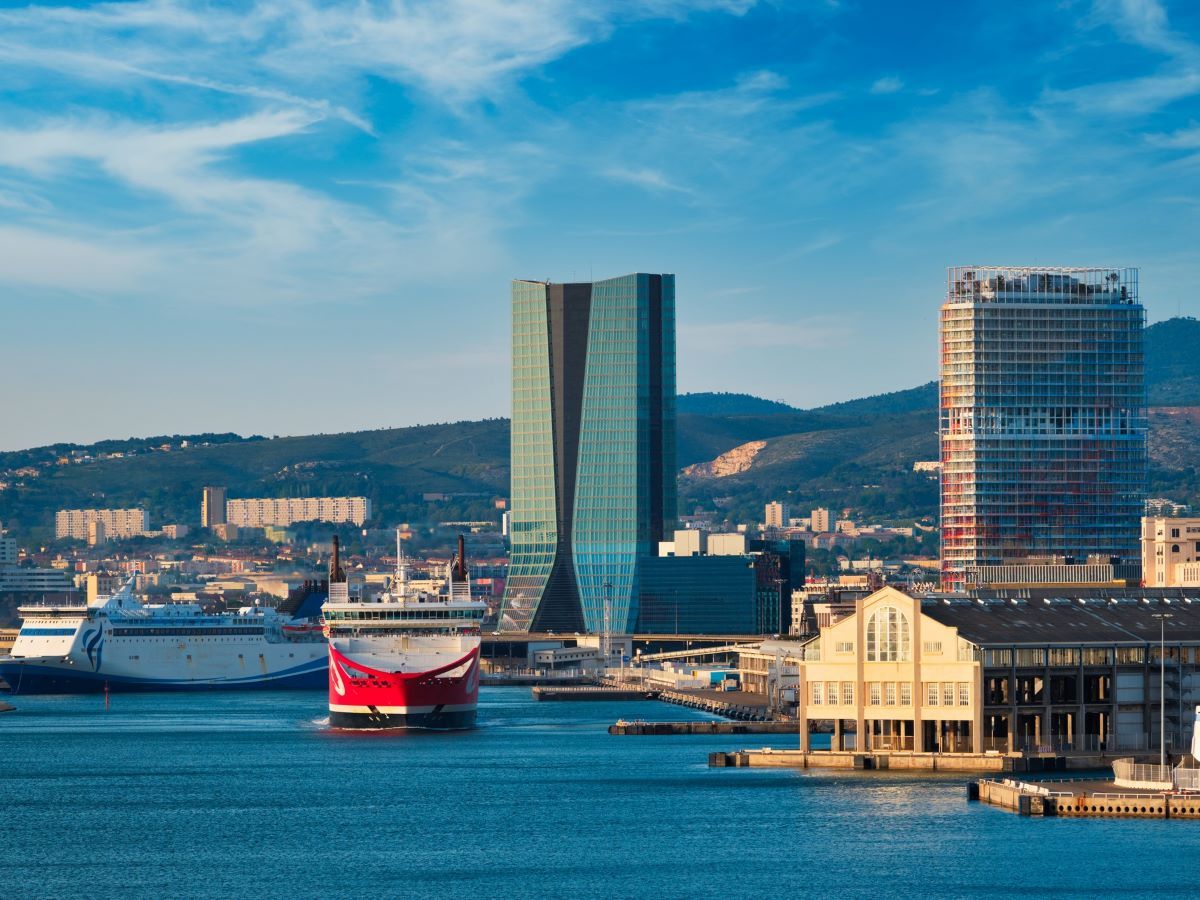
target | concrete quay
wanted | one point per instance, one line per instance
(501, 679)
(730, 704)
(1073, 800)
(704, 727)
(770, 758)
(592, 692)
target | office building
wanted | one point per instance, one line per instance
(593, 448)
(727, 544)
(212, 507)
(820, 522)
(775, 515)
(1043, 417)
(8, 549)
(696, 595)
(778, 572)
(118, 524)
(28, 580)
(284, 511)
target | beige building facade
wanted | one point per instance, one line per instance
(891, 678)
(284, 511)
(117, 523)
(775, 515)
(1170, 552)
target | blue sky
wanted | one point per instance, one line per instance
(297, 216)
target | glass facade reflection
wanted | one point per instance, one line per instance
(697, 595)
(593, 448)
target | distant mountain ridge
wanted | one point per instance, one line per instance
(857, 454)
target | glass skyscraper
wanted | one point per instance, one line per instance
(593, 448)
(1043, 417)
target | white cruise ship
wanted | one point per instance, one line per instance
(118, 643)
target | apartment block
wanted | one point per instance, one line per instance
(281, 512)
(116, 524)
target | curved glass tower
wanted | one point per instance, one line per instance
(593, 448)
(1043, 417)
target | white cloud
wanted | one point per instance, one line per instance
(458, 50)
(889, 84)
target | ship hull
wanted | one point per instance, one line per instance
(383, 718)
(443, 699)
(34, 676)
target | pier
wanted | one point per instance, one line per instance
(703, 727)
(770, 758)
(592, 692)
(1072, 800)
(1136, 790)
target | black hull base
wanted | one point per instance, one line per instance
(431, 721)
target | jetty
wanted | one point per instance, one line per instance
(771, 758)
(592, 692)
(1135, 791)
(702, 727)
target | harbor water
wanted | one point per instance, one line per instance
(251, 795)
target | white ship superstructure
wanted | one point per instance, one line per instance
(116, 642)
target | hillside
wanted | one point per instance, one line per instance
(856, 454)
(1172, 373)
(723, 404)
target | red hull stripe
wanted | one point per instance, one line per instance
(418, 692)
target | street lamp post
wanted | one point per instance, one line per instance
(1162, 686)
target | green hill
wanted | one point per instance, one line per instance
(856, 454)
(723, 404)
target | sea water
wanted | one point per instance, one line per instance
(252, 795)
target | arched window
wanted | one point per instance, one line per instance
(887, 636)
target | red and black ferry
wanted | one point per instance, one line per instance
(409, 659)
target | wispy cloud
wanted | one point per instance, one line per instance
(889, 84)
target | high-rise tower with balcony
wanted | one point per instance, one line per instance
(1043, 417)
(593, 448)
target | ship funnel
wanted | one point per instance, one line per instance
(337, 575)
(459, 573)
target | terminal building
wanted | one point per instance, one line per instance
(958, 674)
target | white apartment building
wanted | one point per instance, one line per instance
(117, 523)
(776, 515)
(283, 511)
(1170, 552)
